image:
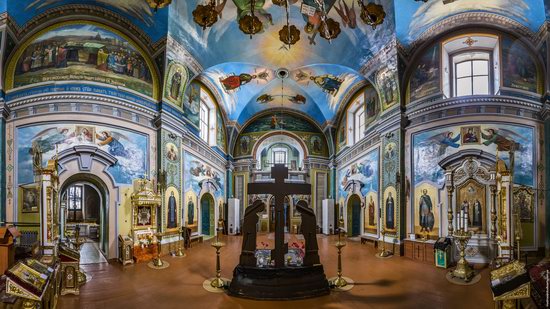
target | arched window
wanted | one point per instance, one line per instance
(207, 117)
(471, 73)
(471, 65)
(204, 115)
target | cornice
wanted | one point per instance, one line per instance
(4, 110)
(93, 99)
(423, 107)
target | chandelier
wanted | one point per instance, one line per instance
(158, 4)
(205, 15)
(372, 14)
(250, 23)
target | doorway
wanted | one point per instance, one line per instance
(354, 215)
(86, 210)
(207, 214)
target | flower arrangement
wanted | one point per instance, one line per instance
(264, 245)
(300, 247)
(145, 240)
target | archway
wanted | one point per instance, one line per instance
(85, 200)
(207, 214)
(354, 215)
(90, 164)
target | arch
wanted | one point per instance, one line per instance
(207, 214)
(257, 145)
(16, 55)
(97, 184)
(91, 164)
(353, 213)
(418, 48)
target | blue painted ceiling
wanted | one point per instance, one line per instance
(224, 51)
(154, 24)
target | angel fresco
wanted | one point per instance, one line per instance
(328, 83)
(314, 20)
(46, 140)
(112, 140)
(444, 140)
(502, 138)
(234, 82)
(347, 14)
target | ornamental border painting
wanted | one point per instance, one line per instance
(82, 51)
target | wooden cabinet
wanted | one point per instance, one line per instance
(420, 251)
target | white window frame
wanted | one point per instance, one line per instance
(204, 122)
(470, 58)
(466, 43)
(359, 123)
(275, 152)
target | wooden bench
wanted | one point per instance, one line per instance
(366, 239)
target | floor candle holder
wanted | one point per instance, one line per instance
(340, 282)
(384, 253)
(463, 271)
(157, 262)
(217, 284)
(179, 251)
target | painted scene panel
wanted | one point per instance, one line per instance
(129, 148)
(86, 53)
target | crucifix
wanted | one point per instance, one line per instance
(279, 189)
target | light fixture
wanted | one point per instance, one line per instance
(250, 23)
(205, 15)
(330, 29)
(158, 4)
(372, 14)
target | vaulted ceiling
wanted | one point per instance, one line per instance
(321, 74)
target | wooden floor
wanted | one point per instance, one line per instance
(380, 283)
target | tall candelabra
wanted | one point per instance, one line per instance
(339, 281)
(463, 271)
(384, 253)
(218, 282)
(179, 251)
(158, 262)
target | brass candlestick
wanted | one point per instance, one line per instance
(218, 282)
(179, 251)
(157, 262)
(339, 281)
(462, 271)
(78, 241)
(384, 253)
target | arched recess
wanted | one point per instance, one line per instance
(260, 143)
(100, 188)
(445, 31)
(140, 49)
(353, 214)
(207, 214)
(91, 164)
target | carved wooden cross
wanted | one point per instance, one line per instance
(279, 189)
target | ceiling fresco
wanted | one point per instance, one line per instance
(224, 42)
(414, 17)
(154, 24)
(247, 89)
